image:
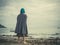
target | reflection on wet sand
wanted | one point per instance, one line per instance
(12, 40)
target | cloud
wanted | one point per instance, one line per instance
(3, 3)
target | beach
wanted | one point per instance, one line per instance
(12, 40)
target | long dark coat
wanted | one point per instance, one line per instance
(21, 26)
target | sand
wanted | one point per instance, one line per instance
(12, 40)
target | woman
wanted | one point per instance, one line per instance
(21, 26)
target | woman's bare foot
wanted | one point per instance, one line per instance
(25, 42)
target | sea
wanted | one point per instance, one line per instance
(5, 31)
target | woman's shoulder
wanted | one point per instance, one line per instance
(25, 15)
(22, 15)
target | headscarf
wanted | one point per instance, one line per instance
(22, 10)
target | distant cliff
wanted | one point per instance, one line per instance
(1, 26)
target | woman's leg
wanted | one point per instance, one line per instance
(18, 39)
(24, 40)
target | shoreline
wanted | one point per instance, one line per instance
(7, 39)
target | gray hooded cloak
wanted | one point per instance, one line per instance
(21, 26)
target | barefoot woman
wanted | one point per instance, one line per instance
(21, 26)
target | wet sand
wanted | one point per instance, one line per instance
(12, 40)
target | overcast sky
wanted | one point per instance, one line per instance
(43, 15)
